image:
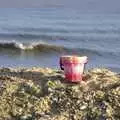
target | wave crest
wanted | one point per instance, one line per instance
(31, 46)
(46, 48)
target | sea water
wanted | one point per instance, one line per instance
(39, 36)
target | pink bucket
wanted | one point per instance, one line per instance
(73, 67)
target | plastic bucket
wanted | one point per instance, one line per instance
(73, 67)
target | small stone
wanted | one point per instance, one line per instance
(83, 107)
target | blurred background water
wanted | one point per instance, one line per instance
(39, 36)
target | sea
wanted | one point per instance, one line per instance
(39, 36)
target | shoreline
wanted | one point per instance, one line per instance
(41, 93)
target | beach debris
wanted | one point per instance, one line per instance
(41, 94)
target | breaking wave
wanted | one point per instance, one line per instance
(45, 47)
(30, 46)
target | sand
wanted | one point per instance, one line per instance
(42, 94)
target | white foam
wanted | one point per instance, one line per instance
(20, 45)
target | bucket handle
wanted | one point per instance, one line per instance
(61, 65)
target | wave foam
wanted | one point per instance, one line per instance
(31, 46)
